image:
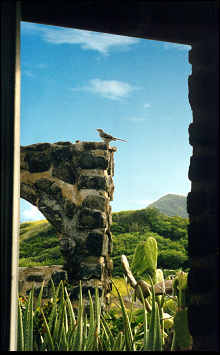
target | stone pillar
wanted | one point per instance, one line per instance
(202, 201)
(72, 185)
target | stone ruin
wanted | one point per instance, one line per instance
(72, 186)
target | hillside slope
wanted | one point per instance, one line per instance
(39, 244)
(171, 205)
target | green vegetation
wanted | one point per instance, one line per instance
(169, 310)
(131, 227)
(39, 244)
(57, 326)
(60, 325)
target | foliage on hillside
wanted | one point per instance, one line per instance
(131, 227)
(39, 244)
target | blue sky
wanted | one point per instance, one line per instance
(75, 81)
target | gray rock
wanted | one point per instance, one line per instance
(90, 219)
(92, 182)
(38, 161)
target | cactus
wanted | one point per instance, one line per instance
(145, 259)
(180, 289)
(144, 265)
(182, 340)
(159, 275)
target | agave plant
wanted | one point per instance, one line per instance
(146, 336)
(62, 330)
(59, 327)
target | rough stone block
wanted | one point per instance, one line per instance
(56, 192)
(94, 243)
(47, 292)
(94, 145)
(65, 172)
(60, 154)
(28, 193)
(94, 202)
(74, 293)
(39, 147)
(64, 143)
(57, 276)
(20, 286)
(92, 182)
(89, 161)
(38, 161)
(43, 184)
(70, 208)
(67, 245)
(54, 216)
(90, 272)
(90, 219)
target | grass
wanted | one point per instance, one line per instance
(121, 286)
(30, 229)
(39, 245)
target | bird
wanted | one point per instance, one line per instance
(107, 138)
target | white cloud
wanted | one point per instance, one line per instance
(28, 70)
(41, 66)
(147, 105)
(31, 214)
(181, 47)
(88, 40)
(142, 203)
(110, 89)
(136, 119)
(31, 28)
(28, 73)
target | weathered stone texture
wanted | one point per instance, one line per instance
(29, 276)
(94, 202)
(202, 201)
(72, 185)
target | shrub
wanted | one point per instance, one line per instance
(172, 259)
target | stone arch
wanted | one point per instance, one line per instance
(72, 186)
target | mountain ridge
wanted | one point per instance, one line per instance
(171, 205)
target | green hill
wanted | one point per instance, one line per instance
(171, 205)
(39, 244)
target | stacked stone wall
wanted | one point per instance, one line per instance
(35, 276)
(202, 201)
(72, 185)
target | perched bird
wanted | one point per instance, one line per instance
(107, 138)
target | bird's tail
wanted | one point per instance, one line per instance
(121, 140)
